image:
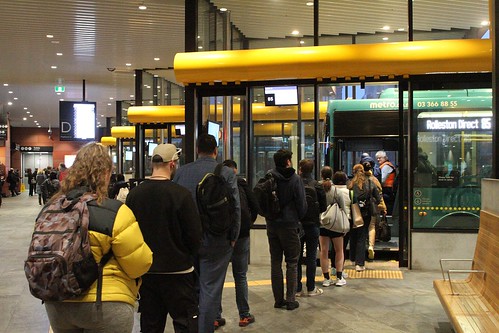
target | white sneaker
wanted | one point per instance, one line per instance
(370, 254)
(301, 293)
(341, 282)
(326, 283)
(359, 268)
(315, 292)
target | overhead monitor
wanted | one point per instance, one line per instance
(179, 129)
(77, 121)
(150, 148)
(280, 96)
(214, 129)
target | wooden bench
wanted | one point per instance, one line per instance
(471, 304)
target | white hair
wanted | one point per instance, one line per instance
(381, 153)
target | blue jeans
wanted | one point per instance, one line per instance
(311, 239)
(283, 242)
(214, 256)
(240, 257)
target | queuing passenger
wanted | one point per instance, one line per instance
(240, 254)
(30, 176)
(63, 172)
(365, 157)
(40, 178)
(381, 210)
(311, 224)
(12, 179)
(388, 173)
(363, 192)
(112, 226)
(50, 186)
(283, 232)
(171, 226)
(216, 250)
(340, 194)
(118, 184)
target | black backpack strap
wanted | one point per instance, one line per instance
(218, 169)
(105, 258)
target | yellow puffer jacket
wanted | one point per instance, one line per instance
(113, 226)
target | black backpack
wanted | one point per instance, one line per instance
(266, 195)
(315, 203)
(215, 202)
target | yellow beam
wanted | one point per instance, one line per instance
(123, 132)
(335, 61)
(156, 114)
(108, 141)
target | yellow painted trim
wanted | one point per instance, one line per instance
(123, 132)
(335, 61)
(156, 114)
(108, 141)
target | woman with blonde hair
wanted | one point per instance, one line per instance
(112, 227)
(363, 192)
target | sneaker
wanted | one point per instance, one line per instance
(302, 293)
(371, 253)
(292, 305)
(315, 292)
(326, 282)
(246, 320)
(359, 268)
(219, 322)
(280, 304)
(341, 282)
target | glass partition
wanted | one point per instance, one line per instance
(454, 152)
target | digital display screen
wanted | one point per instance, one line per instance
(179, 129)
(151, 147)
(77, 121)
(214, 129)
(285, 95)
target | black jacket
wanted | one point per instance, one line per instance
(291, 194)
(249, 207)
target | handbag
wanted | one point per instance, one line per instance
(383, 230)
(335, 218)
(358, 220)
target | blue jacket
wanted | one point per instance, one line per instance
(192, 173)
(291, 193)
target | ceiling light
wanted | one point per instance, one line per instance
(53, 67)
(58, 94)
(385, 38)
(128, 64)
(61, 99)
(15, 98)
(485, 23)
(31, 116)
(59, 53)
(5, 84)
(386, 27)
(24, 118)
(302, 42)
(309, 3)
(9, 103)
(11, 92)
(295, 32)
(102, 115)
(223, 9)
(400, 29)
(55, 42)
(200, 47)
(27, 111)
(142, 6)
(131, 96)
(156, 59)
(25, 108)
(109, 104)
(111, 98)
(50, 36)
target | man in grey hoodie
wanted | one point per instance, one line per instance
(283, 232)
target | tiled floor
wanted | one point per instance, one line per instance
(400, 301)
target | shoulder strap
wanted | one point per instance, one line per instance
(218, 169)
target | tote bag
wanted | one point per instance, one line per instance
(358, 220)
(335, 218)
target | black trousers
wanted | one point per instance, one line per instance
(163, 294)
